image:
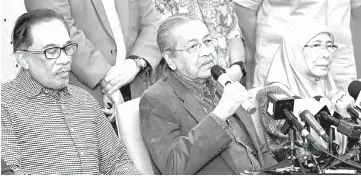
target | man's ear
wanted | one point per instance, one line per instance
(22, 59)
(170, 60)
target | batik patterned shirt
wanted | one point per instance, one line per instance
(218, 15)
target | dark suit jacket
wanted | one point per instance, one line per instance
(89, 27)
(5, 169)
(183, 139)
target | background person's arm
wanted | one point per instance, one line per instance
(146, 44)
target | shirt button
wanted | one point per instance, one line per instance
(113, 51)
(63, 106)
(81, 153)
(72, 129)
(46, 91)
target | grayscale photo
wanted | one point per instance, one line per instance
(180, 87)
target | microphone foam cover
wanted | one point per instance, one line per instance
(354, 88)
(216, 71)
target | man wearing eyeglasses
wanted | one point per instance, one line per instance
(117, 45)
(48, 126)
(186, 126)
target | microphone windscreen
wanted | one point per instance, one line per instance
(354, 89)
(271, 126)
(216, 71)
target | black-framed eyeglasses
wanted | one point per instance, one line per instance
(194, 48)
(54, 52)
(332, 48)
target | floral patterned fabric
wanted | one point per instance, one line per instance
(218, 15)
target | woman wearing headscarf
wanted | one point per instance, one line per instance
(303, 60)
(264, 23)
(301, 68)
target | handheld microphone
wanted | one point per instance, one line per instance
(342, 103)
(221, 76)
(293, 120)
(307, 116)
(354, 89)
(344, 126)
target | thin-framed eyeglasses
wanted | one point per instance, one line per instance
(54, 52)
(332, 48)
(194, 48)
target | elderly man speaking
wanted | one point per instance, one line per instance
(48, 126)
(187, 128)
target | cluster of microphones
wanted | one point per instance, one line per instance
(317, 112)
(339, 110)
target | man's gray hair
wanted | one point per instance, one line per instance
(165, 37)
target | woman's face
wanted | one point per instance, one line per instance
(318, 54)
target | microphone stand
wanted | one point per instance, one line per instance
(292, 163)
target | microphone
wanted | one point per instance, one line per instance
(265, 108)
(293, 120)
(343, 104)
(344, 126)
(354, 89)
(282, 109)
(307, 116)
(221, 76)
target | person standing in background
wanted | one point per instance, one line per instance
(267, 20)
(117, 45)
(222, 24)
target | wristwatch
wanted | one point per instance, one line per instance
(141, 62)
(243, 67)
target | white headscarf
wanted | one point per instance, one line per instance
(289, 67)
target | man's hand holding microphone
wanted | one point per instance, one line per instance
(234, 95)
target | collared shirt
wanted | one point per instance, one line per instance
(57, 132)
(112, 15)
(241, 147)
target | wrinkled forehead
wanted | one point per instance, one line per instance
(194, 30)
(49, 33)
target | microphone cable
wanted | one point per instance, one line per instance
(335, 157)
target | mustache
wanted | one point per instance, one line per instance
(65, 69)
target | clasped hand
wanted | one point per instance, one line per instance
(119, 75)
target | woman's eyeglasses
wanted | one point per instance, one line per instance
(332, 48)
